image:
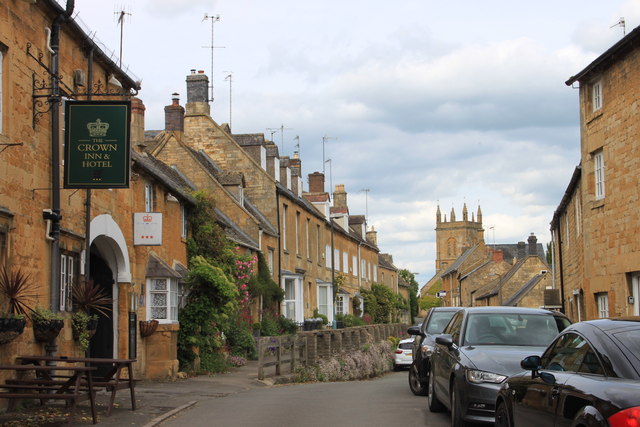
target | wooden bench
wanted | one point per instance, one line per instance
(77, 386)
(111, 381)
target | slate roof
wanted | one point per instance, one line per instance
(156, 267)
(382, 262)
(246, 139)
(266, 225)
(234, 232)
(166, 175)
(524, 290)
(458, 262)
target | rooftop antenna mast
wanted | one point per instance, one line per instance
(281, 129)
(297, 139)
(366, 205)
(230, 79)
(324, 141)
(121, 15)
(330, 176)
(621, 23)
(213, 19)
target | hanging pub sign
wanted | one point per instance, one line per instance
(96, 151)
(147, 228)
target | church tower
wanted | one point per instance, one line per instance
(454, 237)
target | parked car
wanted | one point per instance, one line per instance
(423, 346)
(589, 376)
(402, 356)
(478, 350)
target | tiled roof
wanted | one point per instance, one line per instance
(234, 232)
(456, 264)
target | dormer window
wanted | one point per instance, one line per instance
(597, 95)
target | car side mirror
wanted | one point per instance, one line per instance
(531, 363)
(415, 330)
(445, 339)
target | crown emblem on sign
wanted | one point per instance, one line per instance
(97, 128)
(147, 218)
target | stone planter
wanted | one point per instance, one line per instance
(48, 330)
(10, 328)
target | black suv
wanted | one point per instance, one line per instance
(423, 346)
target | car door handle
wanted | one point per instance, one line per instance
(555, 392)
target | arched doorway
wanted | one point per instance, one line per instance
(101, 344)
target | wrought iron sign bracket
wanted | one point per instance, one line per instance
(42, 93)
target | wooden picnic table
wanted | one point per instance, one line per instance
(76, 385)
(112, 379)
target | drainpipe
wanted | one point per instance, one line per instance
(560, 271)
(279, 245)
(87, 218)
(333, 274)
(55, 217)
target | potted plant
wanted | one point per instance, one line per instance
(16, 292)
(46, 324)
(148, 327)
(88, 299)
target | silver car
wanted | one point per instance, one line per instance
(478, 350)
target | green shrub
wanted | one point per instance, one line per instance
(240, 340)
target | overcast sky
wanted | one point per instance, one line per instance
(423, 102)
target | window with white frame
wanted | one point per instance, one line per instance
(598, 160)
(148, 197)
(336, 259)
(308, 243)
(345, 262)
(323, 300)
(163, 299)
(293, 298)
(328, 256)
(340, 304)
(183, 220)
(270, 259)
(68, 265)
(597, 95)
(297, 233)
(602, 300)
(354, 263)
(283, 227)
(318, 243)
(375, 273)
(363, 268)
(567, 240)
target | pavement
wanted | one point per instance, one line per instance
(156, 401)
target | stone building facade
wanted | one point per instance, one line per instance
(595, 228)
(94, 235)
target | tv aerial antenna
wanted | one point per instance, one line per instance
(324, 141)
(213, 19)
(229, 77)
(122, 14)
(621, 23)
(281, 129)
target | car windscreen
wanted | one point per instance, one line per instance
(405, 346)
(438, 321)
(510, 329)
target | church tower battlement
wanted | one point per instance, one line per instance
(454, 237)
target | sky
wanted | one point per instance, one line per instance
(420, 102)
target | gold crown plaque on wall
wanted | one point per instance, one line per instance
(98, 128)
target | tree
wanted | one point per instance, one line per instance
(409, 277)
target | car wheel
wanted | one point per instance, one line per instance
(434, 404)
(417, 387)
(502, 415)
(456, 408)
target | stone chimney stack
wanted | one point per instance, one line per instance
(340, 197)
(198, 94)
(137, 123)
(316, 182)
(372, 236)
(174, 115)
(522, 250)
(533, 244)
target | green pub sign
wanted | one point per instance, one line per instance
(96, 151)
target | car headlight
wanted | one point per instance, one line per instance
(478, 377)
(427, 350)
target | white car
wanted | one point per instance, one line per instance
(402, 357)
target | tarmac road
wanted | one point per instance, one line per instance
(385, 401)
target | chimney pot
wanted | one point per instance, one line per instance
(193, 71)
